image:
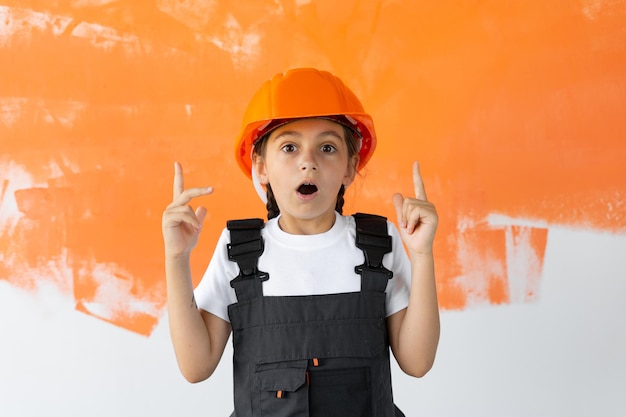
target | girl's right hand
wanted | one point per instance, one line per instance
(180, 223)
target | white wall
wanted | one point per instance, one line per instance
(564, 355)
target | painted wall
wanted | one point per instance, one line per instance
(514, 109)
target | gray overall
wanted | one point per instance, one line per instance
(311, 356)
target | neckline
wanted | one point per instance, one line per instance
(308, 241)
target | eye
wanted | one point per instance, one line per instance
(328, 148)
(288, 148)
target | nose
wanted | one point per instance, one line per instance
(307, 160)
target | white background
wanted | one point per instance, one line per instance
(563, 355)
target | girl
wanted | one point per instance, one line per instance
(314, 298)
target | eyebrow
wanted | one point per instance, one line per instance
(329, 132)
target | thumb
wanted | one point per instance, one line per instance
(398, 201)
(201, 215)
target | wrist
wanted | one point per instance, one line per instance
(420, 255)
(177, 258)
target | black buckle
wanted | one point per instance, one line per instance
(380, 270)
(260, 275)
(246, 254)
(372, 238)
(248, 248)
(374, 247)
(374, 260)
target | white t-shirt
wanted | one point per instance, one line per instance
(305, 265)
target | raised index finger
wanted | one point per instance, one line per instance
(179, 184)
(418, 183)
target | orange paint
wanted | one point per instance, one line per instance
(515, 112)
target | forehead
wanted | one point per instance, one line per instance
(310, 125)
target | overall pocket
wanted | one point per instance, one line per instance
(283, 389)
(340, 392)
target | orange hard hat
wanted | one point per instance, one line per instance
(301, 93)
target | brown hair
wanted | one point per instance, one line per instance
(350, 138)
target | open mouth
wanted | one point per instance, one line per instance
(307, 189)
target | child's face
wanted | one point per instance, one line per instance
(306, 162)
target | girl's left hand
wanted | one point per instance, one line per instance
(417, 217)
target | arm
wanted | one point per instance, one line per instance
(414, 331)
(198, 337)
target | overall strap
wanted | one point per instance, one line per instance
(245, 248)
(372, 238)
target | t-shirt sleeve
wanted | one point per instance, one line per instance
(214, 293)
(399, 285)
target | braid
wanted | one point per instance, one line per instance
(339, 205)
(272, 206)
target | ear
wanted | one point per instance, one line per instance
(351, 170)
(258, 164)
